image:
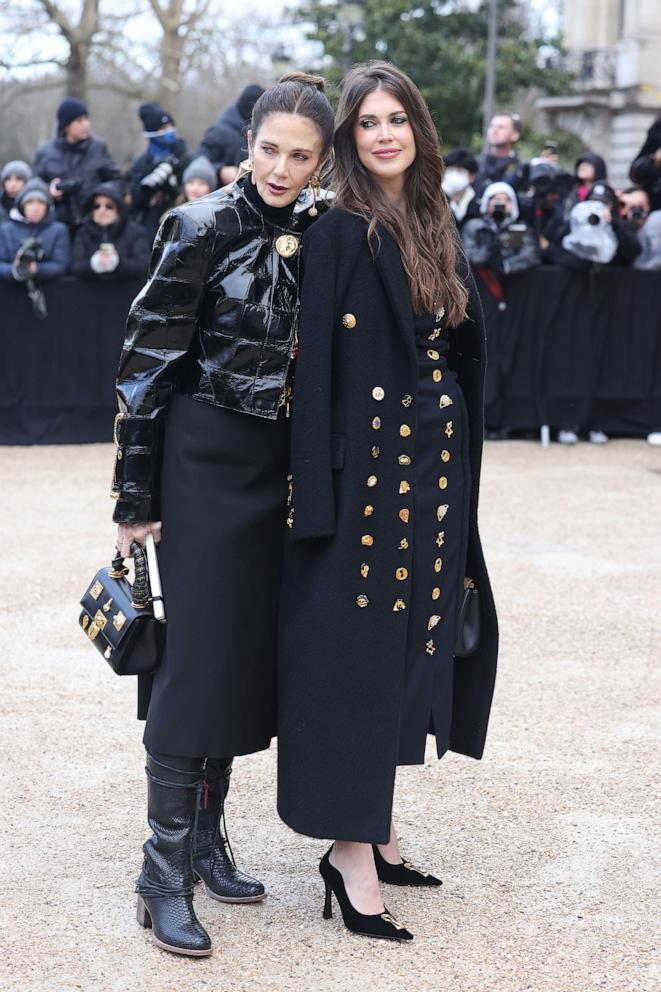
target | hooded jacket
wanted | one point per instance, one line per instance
(53, 237)
(509, 247)
(130, 240)
(225, 142)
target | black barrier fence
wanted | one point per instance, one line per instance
(571, 348)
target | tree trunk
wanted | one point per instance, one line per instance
(169, 85)
(76, 70)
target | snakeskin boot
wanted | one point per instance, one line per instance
(166, 883)
(213, 859)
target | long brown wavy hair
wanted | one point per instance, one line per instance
(424, 232)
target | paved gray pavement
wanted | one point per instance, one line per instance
(547, 846)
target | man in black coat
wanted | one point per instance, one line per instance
(224, 143)
(500, 163)
(156, 175)
(74, 162)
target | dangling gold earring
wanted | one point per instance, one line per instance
(315, 186)
(245, 169)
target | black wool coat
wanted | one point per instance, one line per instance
(342, 666)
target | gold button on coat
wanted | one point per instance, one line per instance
(404, 487)
(364, 570)
(378, 393)
(437, 375)
(405, 430)
(430, 647)
(399, 605)
(372, 481)
(404, 460)
(367, 540)
(445, 455)
(433, 354)
(376, 423)
(442, 482)
(407, 400)
(362, 601)
(403, 545)
(401, 574)
(404, 515)
(448, 429)
(438, 564)
(444, 401)
(349, 320)
(441, 511)
(435, 593)
(376, 451)
(433, 621)
(368, 511)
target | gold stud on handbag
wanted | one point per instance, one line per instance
(121, 619)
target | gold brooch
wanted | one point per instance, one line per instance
(286, 245)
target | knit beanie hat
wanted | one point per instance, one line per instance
(154, 117)
(200, 168)
(16, 168)
(68, 111)
(248, 99)
(34, 189)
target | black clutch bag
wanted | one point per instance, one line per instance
(118, 618)
(468, 627)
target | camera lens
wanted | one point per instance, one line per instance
(593, 219)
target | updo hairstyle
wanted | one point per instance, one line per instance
(298, 93)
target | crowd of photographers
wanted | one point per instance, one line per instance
(74, 211)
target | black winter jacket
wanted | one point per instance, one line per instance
(644, 170)
(148, 203)
(216, 322)
(130, 240)
(225, 142)
(87, 160)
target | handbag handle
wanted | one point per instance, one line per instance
(141, 592)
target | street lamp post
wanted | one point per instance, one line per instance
(350, 15)
(490, 80)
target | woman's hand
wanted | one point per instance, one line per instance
(128, 533)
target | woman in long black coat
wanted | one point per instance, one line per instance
(386, 452)
(203, 448)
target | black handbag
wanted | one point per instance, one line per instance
(119, 617)
(468, 626)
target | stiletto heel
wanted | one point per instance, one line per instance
(382, 925)
(142, 914)
(328, 905)
(402, 874)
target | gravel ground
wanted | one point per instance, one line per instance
(546, 846)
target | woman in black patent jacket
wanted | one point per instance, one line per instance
(203, 446)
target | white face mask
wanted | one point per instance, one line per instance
(455, 181)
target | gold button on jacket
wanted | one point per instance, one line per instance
(349, 321)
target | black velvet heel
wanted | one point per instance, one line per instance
(381, 925)
(402, 874)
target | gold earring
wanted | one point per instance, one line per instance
(315, 185)
(245, 169)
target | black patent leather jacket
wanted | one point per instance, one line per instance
(216, 322)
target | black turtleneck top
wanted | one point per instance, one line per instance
(281, 216)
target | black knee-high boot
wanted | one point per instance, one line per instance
(166, 883)
(213, 860)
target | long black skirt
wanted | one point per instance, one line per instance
(223, 499)
(441, 493)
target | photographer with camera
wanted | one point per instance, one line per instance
(500, 162)
(541, 205)
(499, 242)
(108, 244)
(33, 245)
(156, 175)
(74, 162)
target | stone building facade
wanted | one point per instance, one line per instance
(614, 49)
